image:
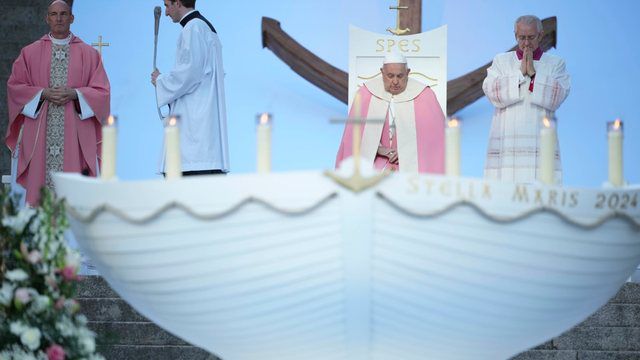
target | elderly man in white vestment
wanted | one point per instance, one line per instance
(411, 139)
(194, 90)
(525, 86)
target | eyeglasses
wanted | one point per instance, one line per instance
(524, 38)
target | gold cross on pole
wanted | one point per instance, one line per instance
(398, 30)
(100, 45)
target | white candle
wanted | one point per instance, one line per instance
(109, 139)
(452, 147)
(264, 143)
(614, 135)
(547, 160)
(172, 162)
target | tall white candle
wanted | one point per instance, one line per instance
(109, 139)
(172, 162)
(547, 159)
(264, 143)
(614, 135)
(452, 147)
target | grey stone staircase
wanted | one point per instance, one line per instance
(123, 334)
(612, 333)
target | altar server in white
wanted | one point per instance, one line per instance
(525, 86)
(194, 90)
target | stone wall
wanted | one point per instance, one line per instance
(23, 21)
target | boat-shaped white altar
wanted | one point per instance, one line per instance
(293, 266)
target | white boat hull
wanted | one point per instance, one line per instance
(291, 266)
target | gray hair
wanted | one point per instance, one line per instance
(528, 20)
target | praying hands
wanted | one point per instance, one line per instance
(526, 65)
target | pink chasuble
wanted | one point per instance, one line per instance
(30, 74)
(429, 121)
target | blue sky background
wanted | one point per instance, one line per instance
(597, 38)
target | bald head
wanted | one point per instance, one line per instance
(68, 4)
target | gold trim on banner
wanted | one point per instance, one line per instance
(369, 77)
(423, 75)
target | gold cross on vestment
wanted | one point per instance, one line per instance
(100, 45)
(398, 30)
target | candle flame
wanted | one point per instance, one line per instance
(546, 122)
(264, 119)
(173, 121)
(453, 123)
(617, 124)
(111, 120)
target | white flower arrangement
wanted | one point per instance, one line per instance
(16, 352)
(18, 222)
(31, 338)
(17, 275)
(6, 293)
(39, 318)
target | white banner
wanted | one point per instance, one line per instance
(426, 55)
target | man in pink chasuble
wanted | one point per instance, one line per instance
(57, 93)
(411, 139)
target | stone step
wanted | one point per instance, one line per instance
(613, 315)
(629, 294)
(109, 309)
(545, 346)
(608, 355)
(123, 333)
(612, 333)
(133, 333)
(577, 355)
(95, 287)
(142, 352)
(599, 339)
(547, 355)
